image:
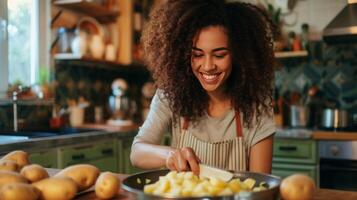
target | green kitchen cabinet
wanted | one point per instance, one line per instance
(127, 167)
(284, 170)
(46, 158)
(102, 154)
(291, 156)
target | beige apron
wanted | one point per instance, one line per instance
(228, 154)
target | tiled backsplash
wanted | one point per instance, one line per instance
(332, 68)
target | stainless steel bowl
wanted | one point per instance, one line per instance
(132, 185)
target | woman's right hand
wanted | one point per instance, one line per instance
(183, 159)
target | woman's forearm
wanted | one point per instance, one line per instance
(149, 156)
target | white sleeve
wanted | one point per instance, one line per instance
(158, 121)
(264, 128)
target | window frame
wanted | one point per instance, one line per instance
(40, 43)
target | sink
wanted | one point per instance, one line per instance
(45, 132)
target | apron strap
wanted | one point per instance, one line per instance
(239, 130)
(185, 123)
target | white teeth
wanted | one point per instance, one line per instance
(209, 76)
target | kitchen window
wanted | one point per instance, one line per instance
(24, 39)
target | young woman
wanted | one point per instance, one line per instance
(213, 64)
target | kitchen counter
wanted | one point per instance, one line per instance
(330, 135)
(102, 132)
(314, 134)
(321, 194)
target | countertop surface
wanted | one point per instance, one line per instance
(321, 194)
(100, 132)
(303, 133)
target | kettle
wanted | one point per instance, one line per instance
(119, 101)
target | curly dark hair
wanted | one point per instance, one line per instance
(168, 39)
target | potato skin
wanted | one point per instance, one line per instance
(107, 185)
(7, 177)
(20, 157)
(19, 191)
(84, 175)
(34, 172)
(59, 188)
(9, 165)
(297, 187)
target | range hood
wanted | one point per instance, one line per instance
(343, 28)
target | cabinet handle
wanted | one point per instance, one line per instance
(107, 151)
(78, 157)
(287, 148)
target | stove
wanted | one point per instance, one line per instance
(338, 165)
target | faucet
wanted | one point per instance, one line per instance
(14, 106)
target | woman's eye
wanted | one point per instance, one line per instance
(220, 55)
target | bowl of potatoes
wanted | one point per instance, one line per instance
(165, 184)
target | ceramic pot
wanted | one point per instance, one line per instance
(97, 46)
(79, 45)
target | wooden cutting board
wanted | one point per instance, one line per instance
(321, 194)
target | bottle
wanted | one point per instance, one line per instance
(138, 26)
(305, 36)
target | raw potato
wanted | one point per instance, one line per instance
(34, 172)
(20, 157)
(9, 165)
(107, 185)
(297, 187)
(84, 175)
(19, 191)
(7, 177)
(59, 188)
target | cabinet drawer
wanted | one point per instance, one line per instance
(295, 150)
(75, 155)
(284, 170)
(106, 149)
(88, 153)
(46, 159)
(105, 164)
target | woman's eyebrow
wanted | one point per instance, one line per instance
(220, 49)
(196, 49)
(214, 50)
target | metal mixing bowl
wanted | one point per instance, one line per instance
(132, 185)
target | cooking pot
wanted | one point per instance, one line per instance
(299, 116)
(132, 185)
(334, 118)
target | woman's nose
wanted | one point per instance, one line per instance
(208, 64)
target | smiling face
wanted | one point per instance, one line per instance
(211, 59)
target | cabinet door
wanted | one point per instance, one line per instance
(283, 170)
(46, 159)
(295, 150)
(75, 155)
(106, 156)
(105, 164)
(103, 155)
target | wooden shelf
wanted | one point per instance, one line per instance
(101, 13)
(30, 102)
(82, 61)
(291, 54)
(74, 57)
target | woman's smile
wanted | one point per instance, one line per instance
(210, 78)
